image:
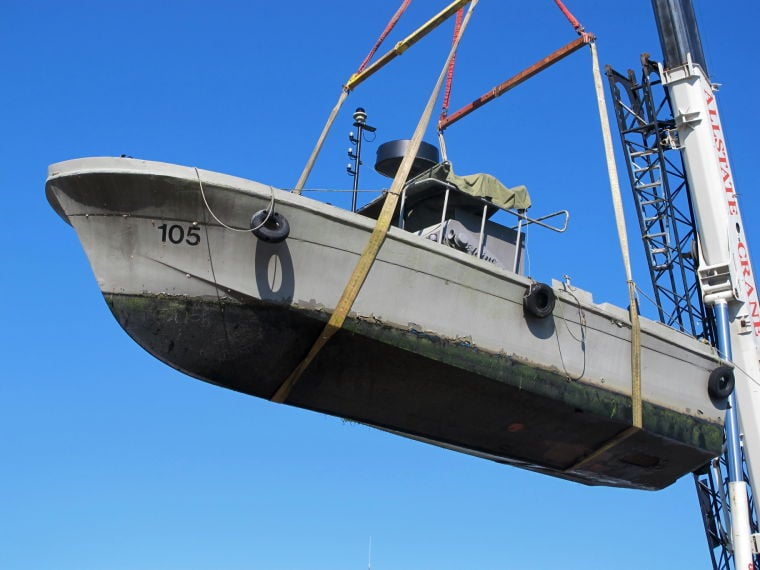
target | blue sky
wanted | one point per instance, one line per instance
(113, 460)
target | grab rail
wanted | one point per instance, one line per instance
(523, 219)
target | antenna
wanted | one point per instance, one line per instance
(369, 555)
(355, 151)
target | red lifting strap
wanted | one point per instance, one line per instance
(570, 18)
(450, 72)
(385, 33)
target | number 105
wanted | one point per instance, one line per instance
(176, 234)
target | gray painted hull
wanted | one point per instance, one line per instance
(436, 347)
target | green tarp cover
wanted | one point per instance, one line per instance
(484, 186)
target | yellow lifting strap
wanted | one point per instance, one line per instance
(368, 256)
(360, 76)
(617, 203)
(604, 448)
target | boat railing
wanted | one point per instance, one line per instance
(521, 214)
(431, 187)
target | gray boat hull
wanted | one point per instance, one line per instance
(437, 346)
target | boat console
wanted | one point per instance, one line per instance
(455, 210)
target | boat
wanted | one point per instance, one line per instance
(232, 281)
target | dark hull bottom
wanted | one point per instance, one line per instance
(423, 386)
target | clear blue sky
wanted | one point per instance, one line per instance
(112, 460)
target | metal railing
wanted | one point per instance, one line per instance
(523, 220)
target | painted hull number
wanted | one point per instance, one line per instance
(177, 234)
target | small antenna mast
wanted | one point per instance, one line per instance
(369, 555)
(355, 150)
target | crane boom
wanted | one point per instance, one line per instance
(726, 277)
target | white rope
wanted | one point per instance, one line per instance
(270, 209)
(617, 204)
(582, 340)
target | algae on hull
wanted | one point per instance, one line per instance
(440, 390)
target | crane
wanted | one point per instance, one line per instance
(698, 255)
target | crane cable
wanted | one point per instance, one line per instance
(371, 250)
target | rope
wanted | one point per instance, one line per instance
(391, 24)
(217, 289)
(617, 203)
(582, 340)
(340, 190)
(368, 256)
(270, 208)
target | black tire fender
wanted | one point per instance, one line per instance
(539, 300)
(271, 228)
(721, 383)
